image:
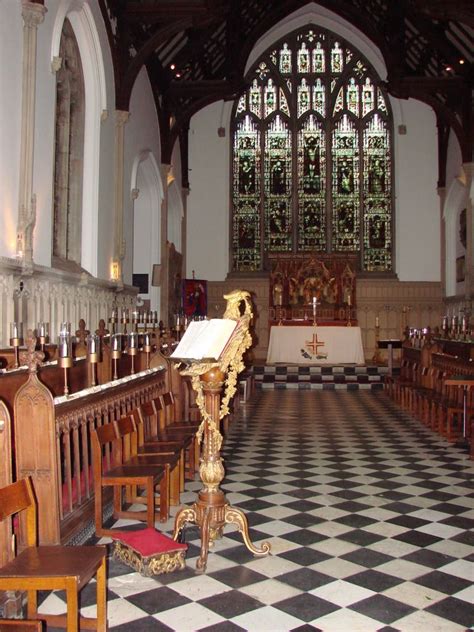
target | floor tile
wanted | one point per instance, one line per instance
(369, 517)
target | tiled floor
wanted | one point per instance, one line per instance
(370, 517)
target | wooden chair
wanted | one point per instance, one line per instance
(184, 429)
(169, 459)
(111, 470)
(20, 625)
(154, 422)
(35, 568)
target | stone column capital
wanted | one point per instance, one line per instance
(121, 117)
(32, 13)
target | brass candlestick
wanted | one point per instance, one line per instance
(65, 352)
(93, 342)
(43, 335)
(65, 363)
(16, 344)
(125, 321)
(16, 340)
(116, 353)
(132, 350)
(147, 349)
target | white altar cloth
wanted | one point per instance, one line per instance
(315, 345)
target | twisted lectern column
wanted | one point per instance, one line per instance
(211, 512)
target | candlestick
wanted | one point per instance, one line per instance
(315, 306)
(93, 342)
(116, 352)
(16, 340)
(113, 319)
(65, 352)
(147, 348)
(132, 349)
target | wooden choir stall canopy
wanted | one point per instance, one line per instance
(315, 345)
(297, 281)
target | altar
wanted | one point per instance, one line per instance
(315, 345)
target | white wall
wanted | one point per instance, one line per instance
(10, 118)
(142, 135)
(208, 202)
(11, 47)
(417, 220)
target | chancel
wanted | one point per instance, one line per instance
(315, 157)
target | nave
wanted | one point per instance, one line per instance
(369, 515)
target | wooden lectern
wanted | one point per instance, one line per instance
(213, 360)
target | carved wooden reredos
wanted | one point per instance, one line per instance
(296, 280)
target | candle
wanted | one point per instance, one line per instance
(147, 340)
(64, 343)
(16, 330)
(116, 342)
(349, 300)
(132, 340)
(135, 316)
(43, 330)
(376, 321)
(92, 344)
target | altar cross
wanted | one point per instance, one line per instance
(314, 344)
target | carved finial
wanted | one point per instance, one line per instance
(32, 358)
(82, 332)
(101, 331)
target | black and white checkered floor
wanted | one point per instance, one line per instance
(370, 517)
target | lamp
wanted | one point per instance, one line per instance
(16, 340)
(93, 342)
(116, 352)
(132, 349)
(65, 352)
(43, 334)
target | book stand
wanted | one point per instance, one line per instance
(211, 512)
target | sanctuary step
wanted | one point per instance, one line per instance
(327, 377)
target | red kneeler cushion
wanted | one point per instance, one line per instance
(149, 552)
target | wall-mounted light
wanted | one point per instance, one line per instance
(115, 271)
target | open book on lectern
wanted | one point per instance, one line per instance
(204, 340)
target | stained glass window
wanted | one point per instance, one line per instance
(312, 155)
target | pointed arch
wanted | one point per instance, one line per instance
(82, 21)
(147, 191)
(456, 200)
(312, 155)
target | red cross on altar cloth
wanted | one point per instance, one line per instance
(314, 344)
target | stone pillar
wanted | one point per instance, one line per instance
(166, 177)
(442, 201)
(33, 15)
(184, 230)
(121, 117)
(468, 168)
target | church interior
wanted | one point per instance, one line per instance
(236, 315)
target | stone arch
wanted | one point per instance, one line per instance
(147, 194)
(456, 201)
(82, 21)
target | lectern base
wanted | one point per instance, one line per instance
(211, 513)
